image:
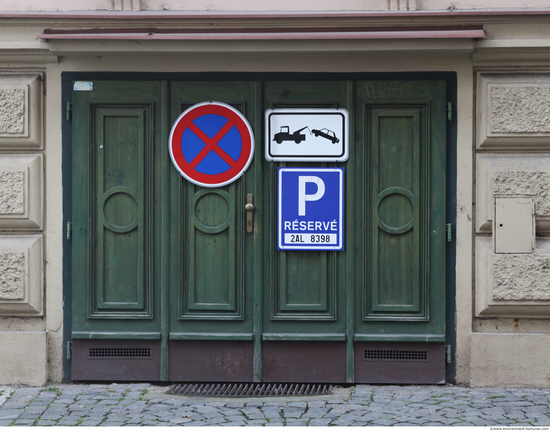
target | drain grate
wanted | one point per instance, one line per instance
(248, 389)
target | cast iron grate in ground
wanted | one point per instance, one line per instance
(248, 389)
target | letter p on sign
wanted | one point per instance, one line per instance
(303, 197)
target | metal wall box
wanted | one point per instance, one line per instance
(514, 227)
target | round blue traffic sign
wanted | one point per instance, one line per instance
(211, 144)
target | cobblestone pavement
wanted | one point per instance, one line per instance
(144, 404)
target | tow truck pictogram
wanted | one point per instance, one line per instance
(285, 135)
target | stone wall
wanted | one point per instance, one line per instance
(12, 111)
(520, 109)
(21, 230)
(512, 288)
(513, 113)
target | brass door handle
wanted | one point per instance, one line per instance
(249, 207)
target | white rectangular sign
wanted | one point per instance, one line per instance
(307, 135)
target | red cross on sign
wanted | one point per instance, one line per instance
(211, 144)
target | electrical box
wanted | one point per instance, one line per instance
(514, 225)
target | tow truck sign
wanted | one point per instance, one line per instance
(307, 135)
(310, 213)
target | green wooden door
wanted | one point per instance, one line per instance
(304, 292)
(117, 237)
(169, 285)
(399, 218)
(211, 258)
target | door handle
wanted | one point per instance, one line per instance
(249, 207)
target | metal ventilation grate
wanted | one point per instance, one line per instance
(119, 352)
(248, 389)
(395, 355)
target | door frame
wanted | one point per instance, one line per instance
(451, 170)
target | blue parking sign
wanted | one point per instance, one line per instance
(310, 212)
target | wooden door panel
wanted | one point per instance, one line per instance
(400, 134)
(303, 285)
(121, 282)
(397, 256)
(213, 255)
(395, 287)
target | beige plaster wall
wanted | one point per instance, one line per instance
(23, 333)
(21, 53)
(254, 5)
(511, 326)
(54, 224)
(510, 359)
(464, 217)
(23, 358)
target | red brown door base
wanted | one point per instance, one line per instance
(304, 361)
(400, 363)
(211, 361)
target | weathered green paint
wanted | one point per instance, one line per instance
(305, 337)
(155, 256)
(400, 264)
(350, 240)
(116, 335)
(122, 173)
(258, 235)
(395, 214)
(164, 197)
(213, 248)
(116, 246)
(210, 336)
(429, 338)
(306, 290)
(211, 253)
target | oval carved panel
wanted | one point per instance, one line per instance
(396, 210)
(212, 210)
(120, 209)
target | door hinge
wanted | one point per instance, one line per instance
(69, 113)
(448, 351)
(449, 111)
(69, 349)
(69, 230)
(449, 231)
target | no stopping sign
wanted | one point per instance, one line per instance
(211, 144)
